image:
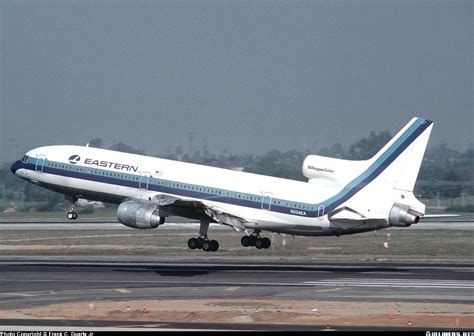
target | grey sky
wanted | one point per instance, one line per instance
(247, 76)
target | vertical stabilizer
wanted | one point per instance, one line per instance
(401, 157)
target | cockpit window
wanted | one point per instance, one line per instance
(25, 158)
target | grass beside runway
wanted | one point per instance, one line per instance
(172, 242)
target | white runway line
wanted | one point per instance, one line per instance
(397, 283)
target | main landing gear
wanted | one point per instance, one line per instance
(202, 242)
(255, 240)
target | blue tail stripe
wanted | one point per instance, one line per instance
(405, 140)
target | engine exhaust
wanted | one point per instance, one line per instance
(400, 215)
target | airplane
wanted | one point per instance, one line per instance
(340, 197)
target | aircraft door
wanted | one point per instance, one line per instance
(40, 161)
(144, 180)
(267, 200)
(321, 211)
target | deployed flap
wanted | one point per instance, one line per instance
(163, 199)
(215, 213)
(232, 220)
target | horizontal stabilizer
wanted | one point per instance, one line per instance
(439, 216)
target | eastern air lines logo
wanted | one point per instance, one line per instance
(74, 159)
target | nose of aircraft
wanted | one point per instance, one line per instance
(15, 166)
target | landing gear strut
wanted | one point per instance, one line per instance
(202, 242)
(72, 215)
(255, 240)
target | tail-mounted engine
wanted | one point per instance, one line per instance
(328, 170)
(138, 216)
(401, 215)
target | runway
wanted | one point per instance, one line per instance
(35, 282)
(28, 284)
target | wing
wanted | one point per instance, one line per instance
(197, 209)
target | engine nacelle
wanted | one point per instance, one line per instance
(400, 215)
(329, 169)
(138, 216)
(315, 166)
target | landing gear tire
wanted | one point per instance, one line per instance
(194, 243)
(245, 241)
(252, 240)
(210, 246)
(266, 243)
(201, 243)
(206, 246)
(214, 245)
(71, 215)
(255, 240)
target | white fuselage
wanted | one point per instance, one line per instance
(343, 196)
(268, 203)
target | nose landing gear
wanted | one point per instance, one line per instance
(72, 215)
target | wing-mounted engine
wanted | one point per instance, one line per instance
(138, 215)
(330, 170)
